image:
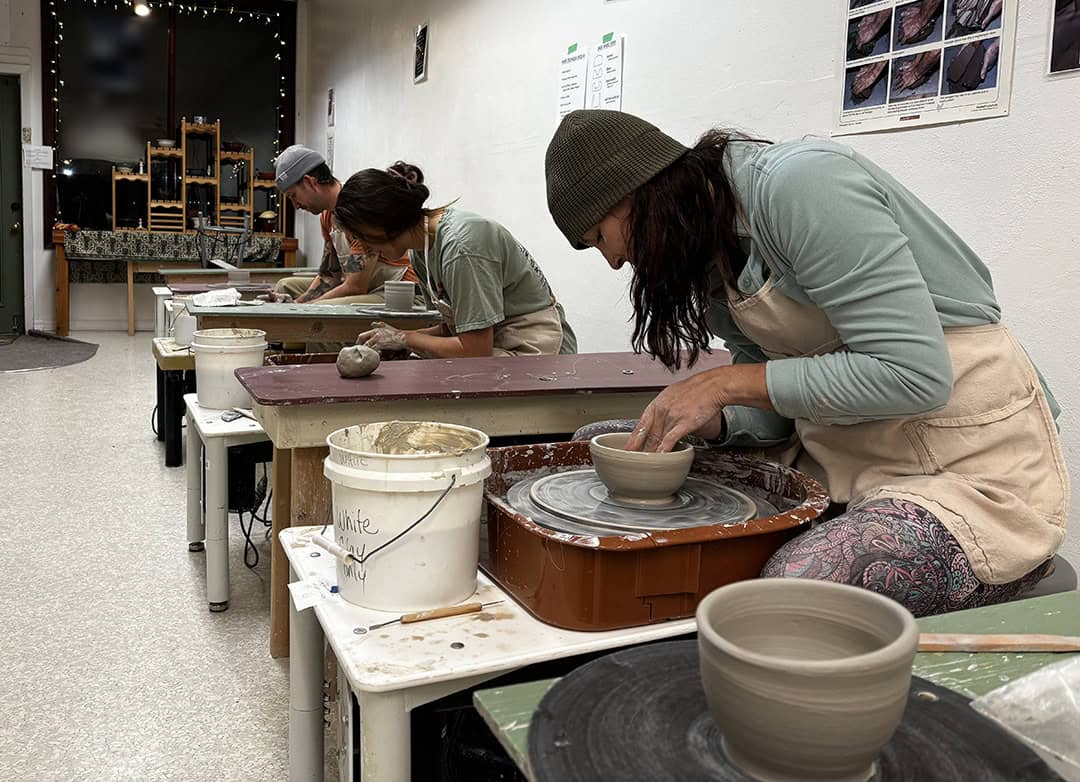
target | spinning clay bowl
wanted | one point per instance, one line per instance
(805, 679)
(639, 476)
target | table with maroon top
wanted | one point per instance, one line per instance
(298, 406)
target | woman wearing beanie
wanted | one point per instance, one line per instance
(493, 297)
(858, 323)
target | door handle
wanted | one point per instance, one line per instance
(16, 227)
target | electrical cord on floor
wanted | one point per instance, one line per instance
(250, 551)
(153, 423)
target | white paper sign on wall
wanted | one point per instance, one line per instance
(37, 157)
(573, 75)
(605, 86)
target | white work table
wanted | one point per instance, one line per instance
(210, 521)
(395, 669)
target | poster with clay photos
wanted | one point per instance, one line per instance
(909, 63)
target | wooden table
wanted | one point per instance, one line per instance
(63, 305)
(538, 395)
(259, 274)
(508, 710)
(308, 322)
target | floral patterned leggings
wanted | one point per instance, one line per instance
(890, 546)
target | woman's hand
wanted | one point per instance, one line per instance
(695, 406)
(383, 338)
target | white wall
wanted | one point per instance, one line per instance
(480, 124)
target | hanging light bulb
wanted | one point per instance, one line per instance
(142, 9)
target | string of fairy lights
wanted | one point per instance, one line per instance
(145, 8)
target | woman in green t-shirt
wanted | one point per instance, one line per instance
(494, 299)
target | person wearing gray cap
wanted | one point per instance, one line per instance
(866, 344)
(347, 273)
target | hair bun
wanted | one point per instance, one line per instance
(407, 171)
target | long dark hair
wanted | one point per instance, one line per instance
(681, 221)
(390, 200)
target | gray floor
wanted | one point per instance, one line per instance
(113, 669)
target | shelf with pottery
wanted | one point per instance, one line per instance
(167, 183)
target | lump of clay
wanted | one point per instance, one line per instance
(357, 361)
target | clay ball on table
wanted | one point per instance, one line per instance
(357, 361)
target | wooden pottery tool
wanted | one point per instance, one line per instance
(436, 613)
(1020, 642)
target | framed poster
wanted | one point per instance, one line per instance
(908, 63)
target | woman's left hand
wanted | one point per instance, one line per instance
(695, 406)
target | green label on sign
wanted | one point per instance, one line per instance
(571, 48)
(608, 37)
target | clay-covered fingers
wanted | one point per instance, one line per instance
(642, 432)
(363, 337)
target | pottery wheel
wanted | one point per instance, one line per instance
(582, 499)
(639, 715)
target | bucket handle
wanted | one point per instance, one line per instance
(408, 529)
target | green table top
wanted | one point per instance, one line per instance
(314, 310)
(508, 710)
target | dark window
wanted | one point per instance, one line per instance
(120, 80)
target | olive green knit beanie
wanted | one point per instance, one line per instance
(595, 159)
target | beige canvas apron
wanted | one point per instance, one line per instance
(989, 465)
(532, 334)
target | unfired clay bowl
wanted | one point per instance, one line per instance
(637, 475)
(805, 679)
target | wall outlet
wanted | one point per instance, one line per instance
(27, 136)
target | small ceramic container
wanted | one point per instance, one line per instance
(398, 295)
(639, 475)
(806, 679)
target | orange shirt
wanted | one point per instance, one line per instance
(326, 223)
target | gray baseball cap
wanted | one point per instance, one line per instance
(294, 164)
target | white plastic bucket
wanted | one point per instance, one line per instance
(218, 354)
(385, 477)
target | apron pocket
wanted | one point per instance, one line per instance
(1011, 448)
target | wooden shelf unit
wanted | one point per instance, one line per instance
(232, 214)
(213, 130)
(172, 216)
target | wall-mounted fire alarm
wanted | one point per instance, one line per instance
(420, 54)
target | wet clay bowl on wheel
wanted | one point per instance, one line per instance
(639, 476)
(805, 679)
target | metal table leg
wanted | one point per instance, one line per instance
(196, 529)
(385, 737)
(174, 413)
(216, 476)
(305, 695)
(160, 414)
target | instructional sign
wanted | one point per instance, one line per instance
(606, 75)
(592, 78)
(908, 63)
(37, 157)
(573, 71)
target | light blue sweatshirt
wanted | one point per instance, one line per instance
(835, 231)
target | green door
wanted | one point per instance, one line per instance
(11, 254)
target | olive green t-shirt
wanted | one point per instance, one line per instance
(484, 274)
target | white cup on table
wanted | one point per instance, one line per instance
(399, 295)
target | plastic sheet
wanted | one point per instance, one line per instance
(1043, 709)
